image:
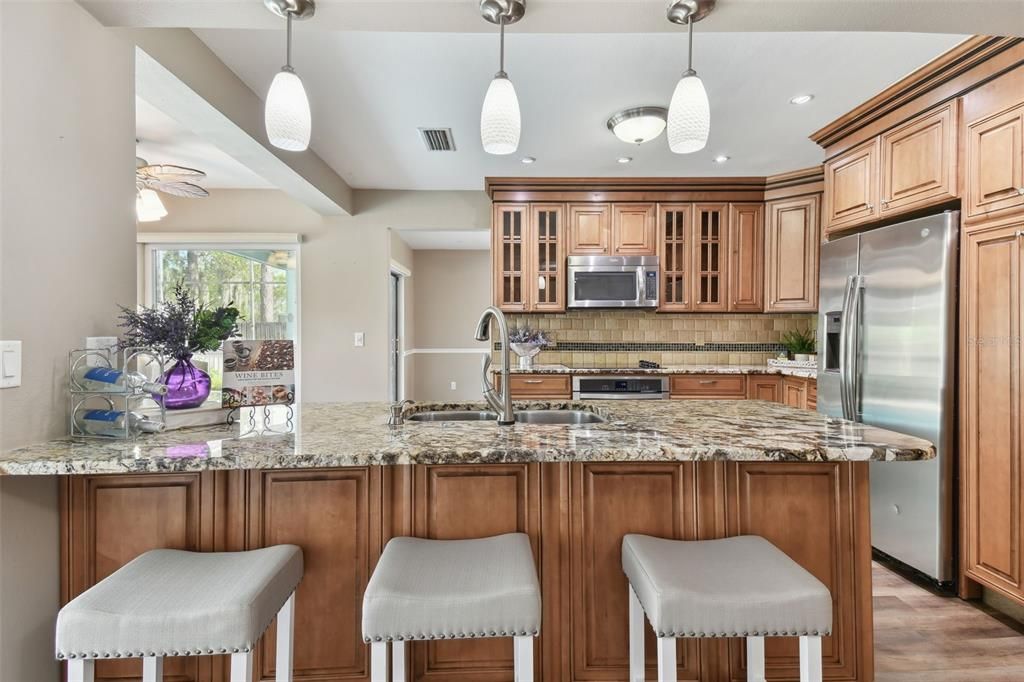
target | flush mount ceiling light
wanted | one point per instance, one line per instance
(801, 99)
(286, 113)
(528, 159)
(624, 159)
(637, 125)
(500, 123)
(721, 158)
(689, 113)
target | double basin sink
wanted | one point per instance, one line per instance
(522, 416)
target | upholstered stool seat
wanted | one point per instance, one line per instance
(734, 587)
(452, 589)
(176, 603)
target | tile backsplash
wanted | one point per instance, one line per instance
(621, 338)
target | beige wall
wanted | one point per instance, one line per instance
(67, 161)
(452, 289)
(344, 270)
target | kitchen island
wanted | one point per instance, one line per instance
(342, 483)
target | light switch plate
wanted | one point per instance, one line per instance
(10, 364)
(359, 339)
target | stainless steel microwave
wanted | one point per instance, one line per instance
(613, 282)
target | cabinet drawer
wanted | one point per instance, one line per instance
(708, 386)
(534, 386)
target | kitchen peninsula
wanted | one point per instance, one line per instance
(343, 482)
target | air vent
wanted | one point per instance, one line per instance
(438, 139)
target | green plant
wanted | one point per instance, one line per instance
(799, 341)
(180, 326)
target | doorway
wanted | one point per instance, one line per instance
(396, 305)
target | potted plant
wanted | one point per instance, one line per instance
(526, 343)
(178, 328)
(799, 343)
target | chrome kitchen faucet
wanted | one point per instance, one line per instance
(500, 403)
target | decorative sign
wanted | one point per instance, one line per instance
(258, 373)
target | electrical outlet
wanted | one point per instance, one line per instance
(454, 386)
(359, 339)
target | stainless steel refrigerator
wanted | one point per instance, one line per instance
(886, 357)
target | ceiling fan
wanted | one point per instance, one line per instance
(166, 178)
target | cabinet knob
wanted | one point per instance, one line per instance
(885, 202)
(1019, 233)
(1020, 191)
(870, 207)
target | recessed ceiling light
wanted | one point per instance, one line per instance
(528, 159)
(624, 159)
(801, 99)
(721, 158)
(637, 125)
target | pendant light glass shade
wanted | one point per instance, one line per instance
(689, 116)
(286, 114)
(148, 207)
(500, 122)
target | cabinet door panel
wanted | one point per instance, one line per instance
(589, 229)
(746, 257)
(919, 161)
(775, 500)
(710, 244)
(546, 248)
(447, 501)
(991, 428)
(607, 502)
(509, 240)
(791, 255)
(995, 163)
(851, 187)
(113, 519)
(764, 388)
(674, 234)
(794, 392)
(633, 230)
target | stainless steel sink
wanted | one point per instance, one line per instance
(452, 416)
(558, 417)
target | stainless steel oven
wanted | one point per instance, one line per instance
(613, 282)
(617, 387)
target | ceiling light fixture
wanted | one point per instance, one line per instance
(286, 113)
(689, 112)
(637, 125)
(801, 99)
(500, 122)
(721, 158)
(528, 159)
(148, 207)
(624, 159)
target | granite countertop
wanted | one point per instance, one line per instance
(807, 373)
(356, 434)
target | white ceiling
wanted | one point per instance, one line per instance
(370, 92)
(163, 140)
(457, 240)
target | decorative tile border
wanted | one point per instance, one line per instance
(655, 347)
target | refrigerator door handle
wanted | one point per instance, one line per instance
(844, 349)
(853, 361)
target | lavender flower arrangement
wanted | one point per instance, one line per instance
(531, 337)
(179, 327)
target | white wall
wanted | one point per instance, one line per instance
(67, 160)
(344, 265)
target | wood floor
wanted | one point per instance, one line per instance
(921, 636)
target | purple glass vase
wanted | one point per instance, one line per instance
(187, 386)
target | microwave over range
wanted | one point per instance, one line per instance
(613, 282)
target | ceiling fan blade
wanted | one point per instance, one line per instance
(170, 171)
(179, 189)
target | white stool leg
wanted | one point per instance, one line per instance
(285, 640)
(755, 659)
(636, 638)
(810, 659)
(398, 661)
(666, 659)
(379, 662)
(82, 670)
(152, 669)
(241, 667)
(523, 654)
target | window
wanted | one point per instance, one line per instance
(261, 280)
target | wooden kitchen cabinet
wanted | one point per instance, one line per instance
(589, 229)
(710, 253)
(764, 387)
(992, 466)
(546, 251)
(538, 386)
(528, 257)
(746, 258)
(919, 161)
(851, 187)
(674, 233)
(707, 386)
(794, 392)
(792, 244)
(995, 163)
(509, 242)
(634, 230)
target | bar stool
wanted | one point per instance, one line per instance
(174, 603)
(736, 587)
(451, 589)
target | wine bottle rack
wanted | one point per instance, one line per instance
(81, 398)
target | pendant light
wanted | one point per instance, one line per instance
(286, 112)
(500, 122)
(689, 113)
